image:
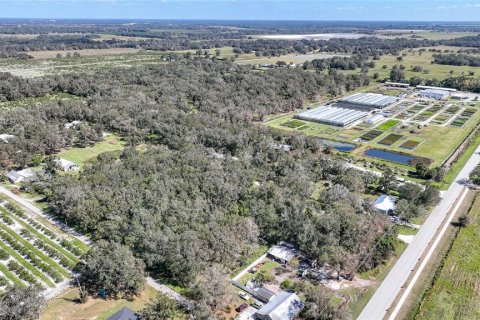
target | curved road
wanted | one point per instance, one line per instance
(381, 302)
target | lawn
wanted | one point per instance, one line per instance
(267, 267)
(455, 292)
(388, 124)
(65, 306)
(82, 155)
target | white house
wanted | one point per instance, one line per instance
(284, 306)
(5, 137)
(384, 204)
(22, 175)
(66, 165)
(72, 124)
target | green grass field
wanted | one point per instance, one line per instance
(388, 125)
(413, 58)
(82, 155)
(455, 292)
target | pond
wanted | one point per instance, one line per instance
(340, 146)
(390, 156)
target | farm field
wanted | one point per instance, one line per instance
(454, 294)
(65, 306)
(82, 155)
(51, 54)
(289, 58)
(422, 34)
(413, 58)
(37, 67)
(34, 251)
(435, 142)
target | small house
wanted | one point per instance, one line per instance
(282, 253)
(66, 165)
(384, 204)
(5, 137)
(72, 124)
(284, 306)
(22, 175)
(125, 314)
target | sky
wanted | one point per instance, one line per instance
(368, 10)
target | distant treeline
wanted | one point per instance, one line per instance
(457, 60)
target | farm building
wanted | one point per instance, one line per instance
(366, 101)
(384, 204)
(284, 306)
(66, 165)
(436, 88)
(19, 176)
(435, 94)
(397, 84)
(375, 119)
(283, 252)
(339, 117)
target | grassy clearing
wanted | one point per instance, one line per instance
(65, 306)
(413, 58)
(258, 252)
(454, 294)
(267, 267)
(388, 124)
(83, 52)
(82, 155)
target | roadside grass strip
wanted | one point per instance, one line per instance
(10, 276)
(43, 237)
(390, 139)
(27, 264)
(388, 125)
(35, 250)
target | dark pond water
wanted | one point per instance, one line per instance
(345, 147)
(390, 156)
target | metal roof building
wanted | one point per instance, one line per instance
(436, 88)
(284, 306)
(367, 101)
(339, 117)
(435, 94)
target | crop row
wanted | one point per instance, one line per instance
(67, 248)
(12, 251)
(23, 273)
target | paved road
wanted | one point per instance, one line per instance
(391, 286)
(36, 210)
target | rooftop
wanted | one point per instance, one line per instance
(370, 99)
(284, 306)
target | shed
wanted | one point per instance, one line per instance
(284, 306)
(125, 314)
(283, 252)
(66, 165)
(384, 204)
(263, 294)
(375, 119)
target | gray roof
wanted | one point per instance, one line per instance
(14, 175)
(264, 294)
(284, 306)
(125, 314)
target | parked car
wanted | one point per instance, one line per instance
(243, 295)
(257, 304)
(241, 307)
